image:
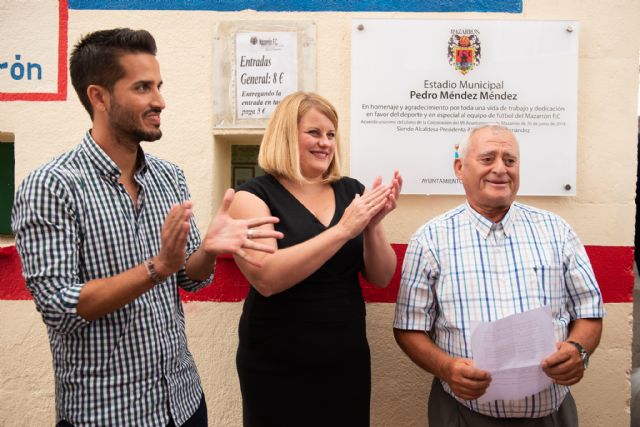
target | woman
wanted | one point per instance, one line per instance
(303, 357)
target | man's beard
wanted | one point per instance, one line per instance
(124, 123)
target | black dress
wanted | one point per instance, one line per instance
(303, 357)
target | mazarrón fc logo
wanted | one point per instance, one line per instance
(464, 52)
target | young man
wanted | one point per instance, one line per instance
(106, 237)
(484, 260)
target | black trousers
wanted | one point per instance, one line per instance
(198, 419)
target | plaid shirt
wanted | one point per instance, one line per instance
(74, 223)
(462, 267)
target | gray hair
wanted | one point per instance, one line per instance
(463, 147)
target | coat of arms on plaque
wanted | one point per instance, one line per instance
(464, 52)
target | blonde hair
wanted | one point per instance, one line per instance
(279, 151)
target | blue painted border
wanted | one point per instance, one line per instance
(508, 6)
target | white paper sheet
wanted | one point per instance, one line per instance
(512, 349)
(266, 71)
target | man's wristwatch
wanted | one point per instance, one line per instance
(151, 271)
(583, 353)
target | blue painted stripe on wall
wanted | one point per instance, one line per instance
(509, 6)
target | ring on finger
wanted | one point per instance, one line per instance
(250, 232)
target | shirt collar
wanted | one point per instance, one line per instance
(485, 226)
(509, 219)
(104, 164)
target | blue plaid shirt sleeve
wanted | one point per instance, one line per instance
(416, 306)
(44, 222)
(584, 297)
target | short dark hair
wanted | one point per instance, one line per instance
(95, 59)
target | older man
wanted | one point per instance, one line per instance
(486, 259)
